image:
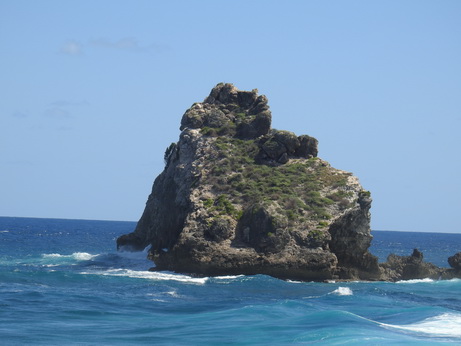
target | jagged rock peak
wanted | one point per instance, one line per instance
(229, 111)
(226, 93)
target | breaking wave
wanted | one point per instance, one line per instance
(78, 256)
(342, 291)
(149, 275)
(444, 325)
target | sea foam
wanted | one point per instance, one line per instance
(78, 256)
(140, 274)
(342, 291)
(415, 281)
(444, 325)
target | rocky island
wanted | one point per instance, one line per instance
(238, 197)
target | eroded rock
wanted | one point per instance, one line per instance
(239, 198)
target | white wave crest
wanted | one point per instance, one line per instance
(342, 291)
(78, 256)
(294, 282)
(414, 281)
(445, 325)
(138, 274)
(228, 277)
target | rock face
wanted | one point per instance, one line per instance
(237, 197)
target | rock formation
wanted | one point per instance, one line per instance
(237, 197)
(414, 267)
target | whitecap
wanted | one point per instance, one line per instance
(415, 281)
(173, 294)
(4, 231)
(78, 256)
(141, 274)
(83, 256)
(227, 277)
(294, 282)
(52, 255)
(342, 291)
(444, 325)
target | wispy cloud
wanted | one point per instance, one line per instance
(57, 113)
(62, 109)
(67, 103)
(71, 47)
(20, 114)
(129, 44)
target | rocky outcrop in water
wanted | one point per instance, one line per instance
(238, 197)
(414, 267)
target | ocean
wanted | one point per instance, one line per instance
(62, 282)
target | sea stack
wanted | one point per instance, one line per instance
(238, 197)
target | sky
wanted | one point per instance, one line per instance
(94, 91)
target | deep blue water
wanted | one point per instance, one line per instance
(62, 282)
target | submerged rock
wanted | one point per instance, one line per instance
(237, 197)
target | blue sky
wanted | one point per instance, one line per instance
(93, 93)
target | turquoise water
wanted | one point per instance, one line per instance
(62, 282)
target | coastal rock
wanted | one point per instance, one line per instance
(411, 267)
(455, 261)
(237, 197)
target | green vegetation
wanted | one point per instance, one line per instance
(295, 186)
(228, 129)
(323, 223)
(316, 235)
(222, 206)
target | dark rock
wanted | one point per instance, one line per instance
(288, 139)
(256, 126)
(130, 242)
(273, 148)
(220, 229)
(259, 106)
(256, 227)
(455, 261)
(417, 254)
(246, 98)
(222, 93)
(283, 159)
(308, 147)
(410, 267)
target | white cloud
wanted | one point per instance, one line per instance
(72, 47)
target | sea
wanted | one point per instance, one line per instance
(62, 282)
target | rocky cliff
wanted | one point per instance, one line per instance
(237, 197)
